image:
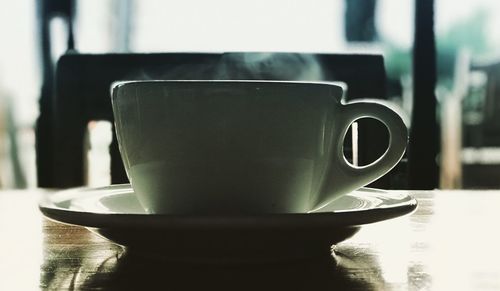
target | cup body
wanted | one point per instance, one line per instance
(228, 147)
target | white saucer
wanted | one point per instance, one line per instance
(114, 213)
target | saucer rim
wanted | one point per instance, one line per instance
(350, 218)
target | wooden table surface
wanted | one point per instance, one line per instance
(452, 242)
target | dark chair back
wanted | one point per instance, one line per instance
(82, 94)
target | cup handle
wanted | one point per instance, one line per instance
(344, 177)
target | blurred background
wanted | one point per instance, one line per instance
(468, 63)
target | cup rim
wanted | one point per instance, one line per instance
(339, 84)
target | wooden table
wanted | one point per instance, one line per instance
(451, 242)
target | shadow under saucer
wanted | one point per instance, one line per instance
(133, 272)
(223, 246)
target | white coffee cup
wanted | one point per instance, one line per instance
(243, 147)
